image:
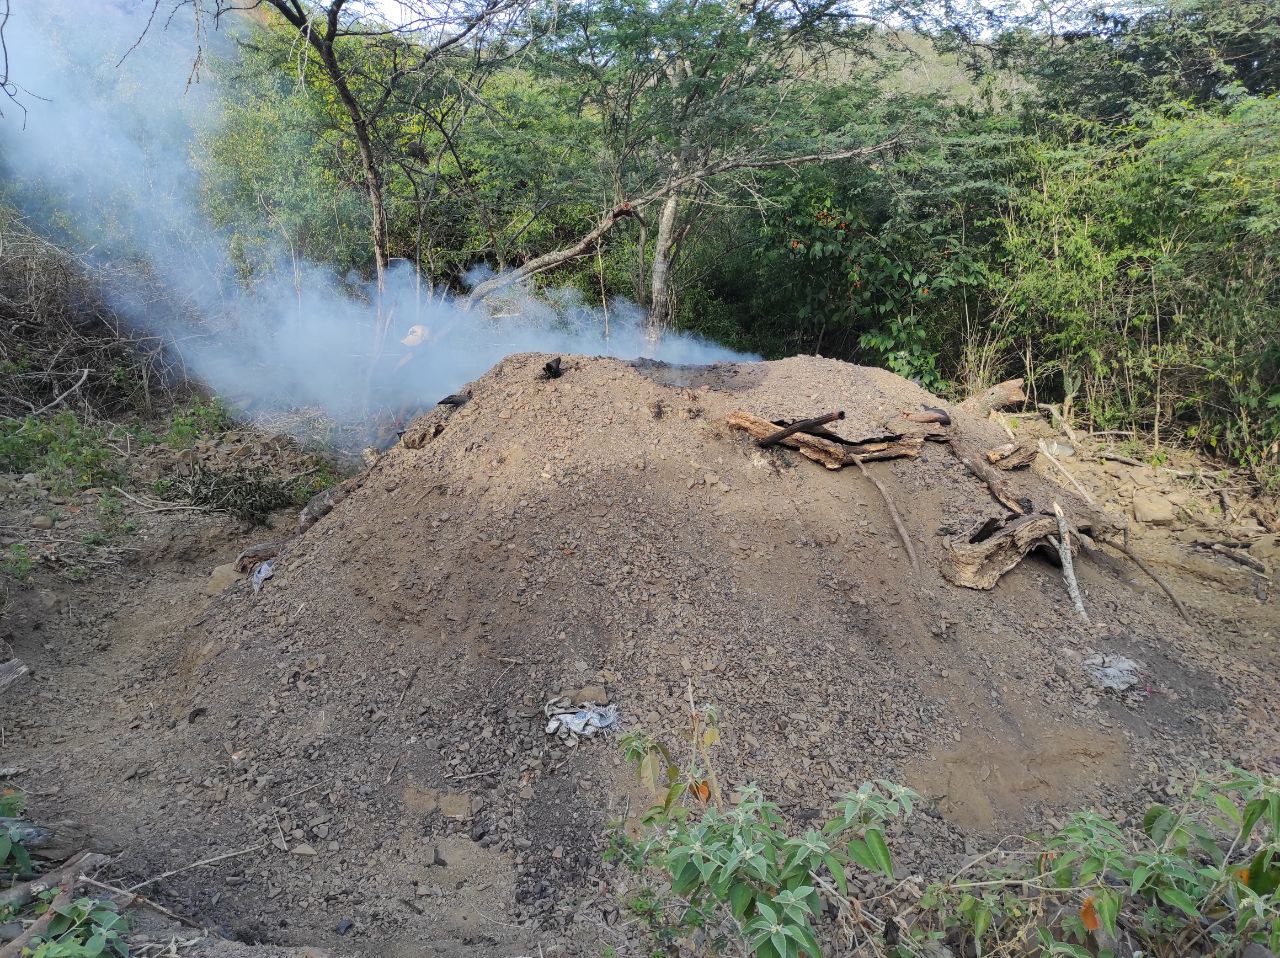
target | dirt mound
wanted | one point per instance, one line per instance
(372, 718)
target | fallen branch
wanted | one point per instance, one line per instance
(199, 864)
(135, 899)
(149, 507)
(829, 452)
(1068, 568)
(1060, 422)
(40, 927)
(804, 425)
(1248, 561)
(893, 512)
(1063, 469)
(84, 374)
(1000, 491)
(1126, 550)
(27, 892)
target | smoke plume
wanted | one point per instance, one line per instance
(102, 159)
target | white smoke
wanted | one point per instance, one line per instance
(103, 158)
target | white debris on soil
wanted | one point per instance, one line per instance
(1113, 672)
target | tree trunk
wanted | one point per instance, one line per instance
(660, 271)
(368, 162)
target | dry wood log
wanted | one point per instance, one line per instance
(1000, 396)
(1012, 455)
(978, 560)
(11, 672)
(323, 503)
(804, 425)
(1248, 561)
(1000, 490)
(828, 450)
(20, 895)
(824, 451)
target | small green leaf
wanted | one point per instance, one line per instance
(880, 851)
(1180, 900)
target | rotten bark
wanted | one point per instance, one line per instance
(1012, 455)
(978, 560)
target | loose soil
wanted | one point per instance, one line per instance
(368, 728)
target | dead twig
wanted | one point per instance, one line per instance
(1044, 451)
(84, 374)
(1248, 561)
(463, 778)
(151, 507)
(801, 426)
(1068, 568)
(1126, 550)
(893, 511)
(200, 864)
(143, 900)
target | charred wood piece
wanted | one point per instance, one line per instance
(552, 370)
(930, 414)
(261, 552)
(322, 504)
(455, 399)
(803, 425)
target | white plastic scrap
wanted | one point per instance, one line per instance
(1114, 672)
(261, 573)
(572, 722)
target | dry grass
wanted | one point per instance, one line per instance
(62, 345)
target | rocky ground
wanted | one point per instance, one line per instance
(362, 742)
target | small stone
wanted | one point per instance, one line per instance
(594, 694)
(42, 522)
(221, 577)
(302, 849)
(1153, 509)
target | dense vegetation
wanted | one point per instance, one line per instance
(1096, 209)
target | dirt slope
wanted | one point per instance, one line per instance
(372, 719)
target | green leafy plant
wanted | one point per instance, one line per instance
(1201, 878)
(201, 418)
(13, 854)
(84, 928)
(736, 869)
(67, 452)
(18, 562)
